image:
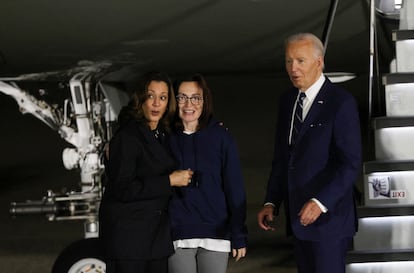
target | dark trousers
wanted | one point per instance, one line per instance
(321, 257)
(137, 266)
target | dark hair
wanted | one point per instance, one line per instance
(140, 95)
(207, 112)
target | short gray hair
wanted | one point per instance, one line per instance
(317, 44)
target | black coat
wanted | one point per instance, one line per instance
(133, 214)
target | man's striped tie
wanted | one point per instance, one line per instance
(297, 122)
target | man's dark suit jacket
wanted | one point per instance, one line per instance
(133, 216)
(323, 164)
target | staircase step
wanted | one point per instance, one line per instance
(396, 78)
(380, 262)
(404, 50)
(379, 256)
(393, 138)
(384, 211)
(387, 122)
(399, 93)
(389, 183)
(385, 233)
(387, 166)
(402, 34)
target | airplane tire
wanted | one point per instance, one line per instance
(81, 256)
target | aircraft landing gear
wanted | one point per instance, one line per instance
(80, 257)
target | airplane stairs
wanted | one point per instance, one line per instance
(385, 240)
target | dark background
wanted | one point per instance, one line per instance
(236, 44)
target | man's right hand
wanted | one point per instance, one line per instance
(265, 217)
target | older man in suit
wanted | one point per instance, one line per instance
(317, 158)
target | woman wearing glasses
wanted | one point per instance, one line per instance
(208, 216)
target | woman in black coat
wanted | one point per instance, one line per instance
(134, 227)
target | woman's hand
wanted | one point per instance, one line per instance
(181, 178)
(239, 253)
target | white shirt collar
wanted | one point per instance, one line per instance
(313, 90)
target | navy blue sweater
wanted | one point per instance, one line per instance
(214, 204)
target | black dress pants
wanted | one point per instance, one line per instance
(321, 257)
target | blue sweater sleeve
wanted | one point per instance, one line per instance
(235, 193)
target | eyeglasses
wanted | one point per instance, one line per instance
(196, 100)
